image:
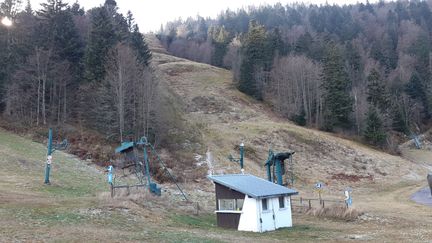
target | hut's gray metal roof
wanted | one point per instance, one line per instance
(124, 146)
(251, 185)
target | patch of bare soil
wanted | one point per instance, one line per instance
(350, 178)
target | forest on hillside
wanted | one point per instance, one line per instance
(362, 69)
(63, 65)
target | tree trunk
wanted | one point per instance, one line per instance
(38, 101)
(64, 102)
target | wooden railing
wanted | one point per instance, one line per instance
(310, 203)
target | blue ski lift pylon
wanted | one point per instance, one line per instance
(276, 167)
(50, 149)
(142, 168)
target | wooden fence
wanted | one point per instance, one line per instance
(309, 203)
(125, 186)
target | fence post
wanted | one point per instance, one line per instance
(291, 206)
(197, 208)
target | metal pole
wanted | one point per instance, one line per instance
(269, 164)
(48, 161)
(278, 171)
(241, 156)
(163, 164)
(429, 179)
(269, 172)
(292, 169)
(147, 170)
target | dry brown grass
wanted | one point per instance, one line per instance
(141, 217)
(140, 199)
(336, 212)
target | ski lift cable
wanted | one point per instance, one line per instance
(166, 169)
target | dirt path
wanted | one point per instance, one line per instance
(422, 157)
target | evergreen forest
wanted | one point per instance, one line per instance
(362, 70)
(63, 65)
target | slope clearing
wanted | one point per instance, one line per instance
(382, 183)
(77, 206)
(225, 117)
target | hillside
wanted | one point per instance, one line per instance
(382, 183)
(334, 66)
(227, 117)
(77, 206)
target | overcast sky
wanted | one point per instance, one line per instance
(150, 14)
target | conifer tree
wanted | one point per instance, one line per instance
(336, 84)
(399, 121)
(76, 9)
(101, 38)
(300, 119)
(137, 42)
(254, 58)
(28, 8)
(220, 41)
(417, 89)
(303, 44)
(376, 91)
(374, 132)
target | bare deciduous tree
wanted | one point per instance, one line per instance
(132, 90)
(295, 86)
(39, 90)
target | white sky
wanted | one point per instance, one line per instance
(150, 14)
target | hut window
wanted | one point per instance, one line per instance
(239, 204)
(264, 204)
(231, 204)
(226, 204)
(281, 202)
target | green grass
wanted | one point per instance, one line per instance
(182, 236)
(48, 216)
(205, 221)
(70, 202)
(24, 161)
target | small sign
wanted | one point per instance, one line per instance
(319, 186)
(348, 198)
(49, 159)
(110, 174)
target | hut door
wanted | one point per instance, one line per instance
(274, 214)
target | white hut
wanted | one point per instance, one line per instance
(249, 203)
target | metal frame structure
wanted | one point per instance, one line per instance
(239, 160)
(141, 169)
(276, 168)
